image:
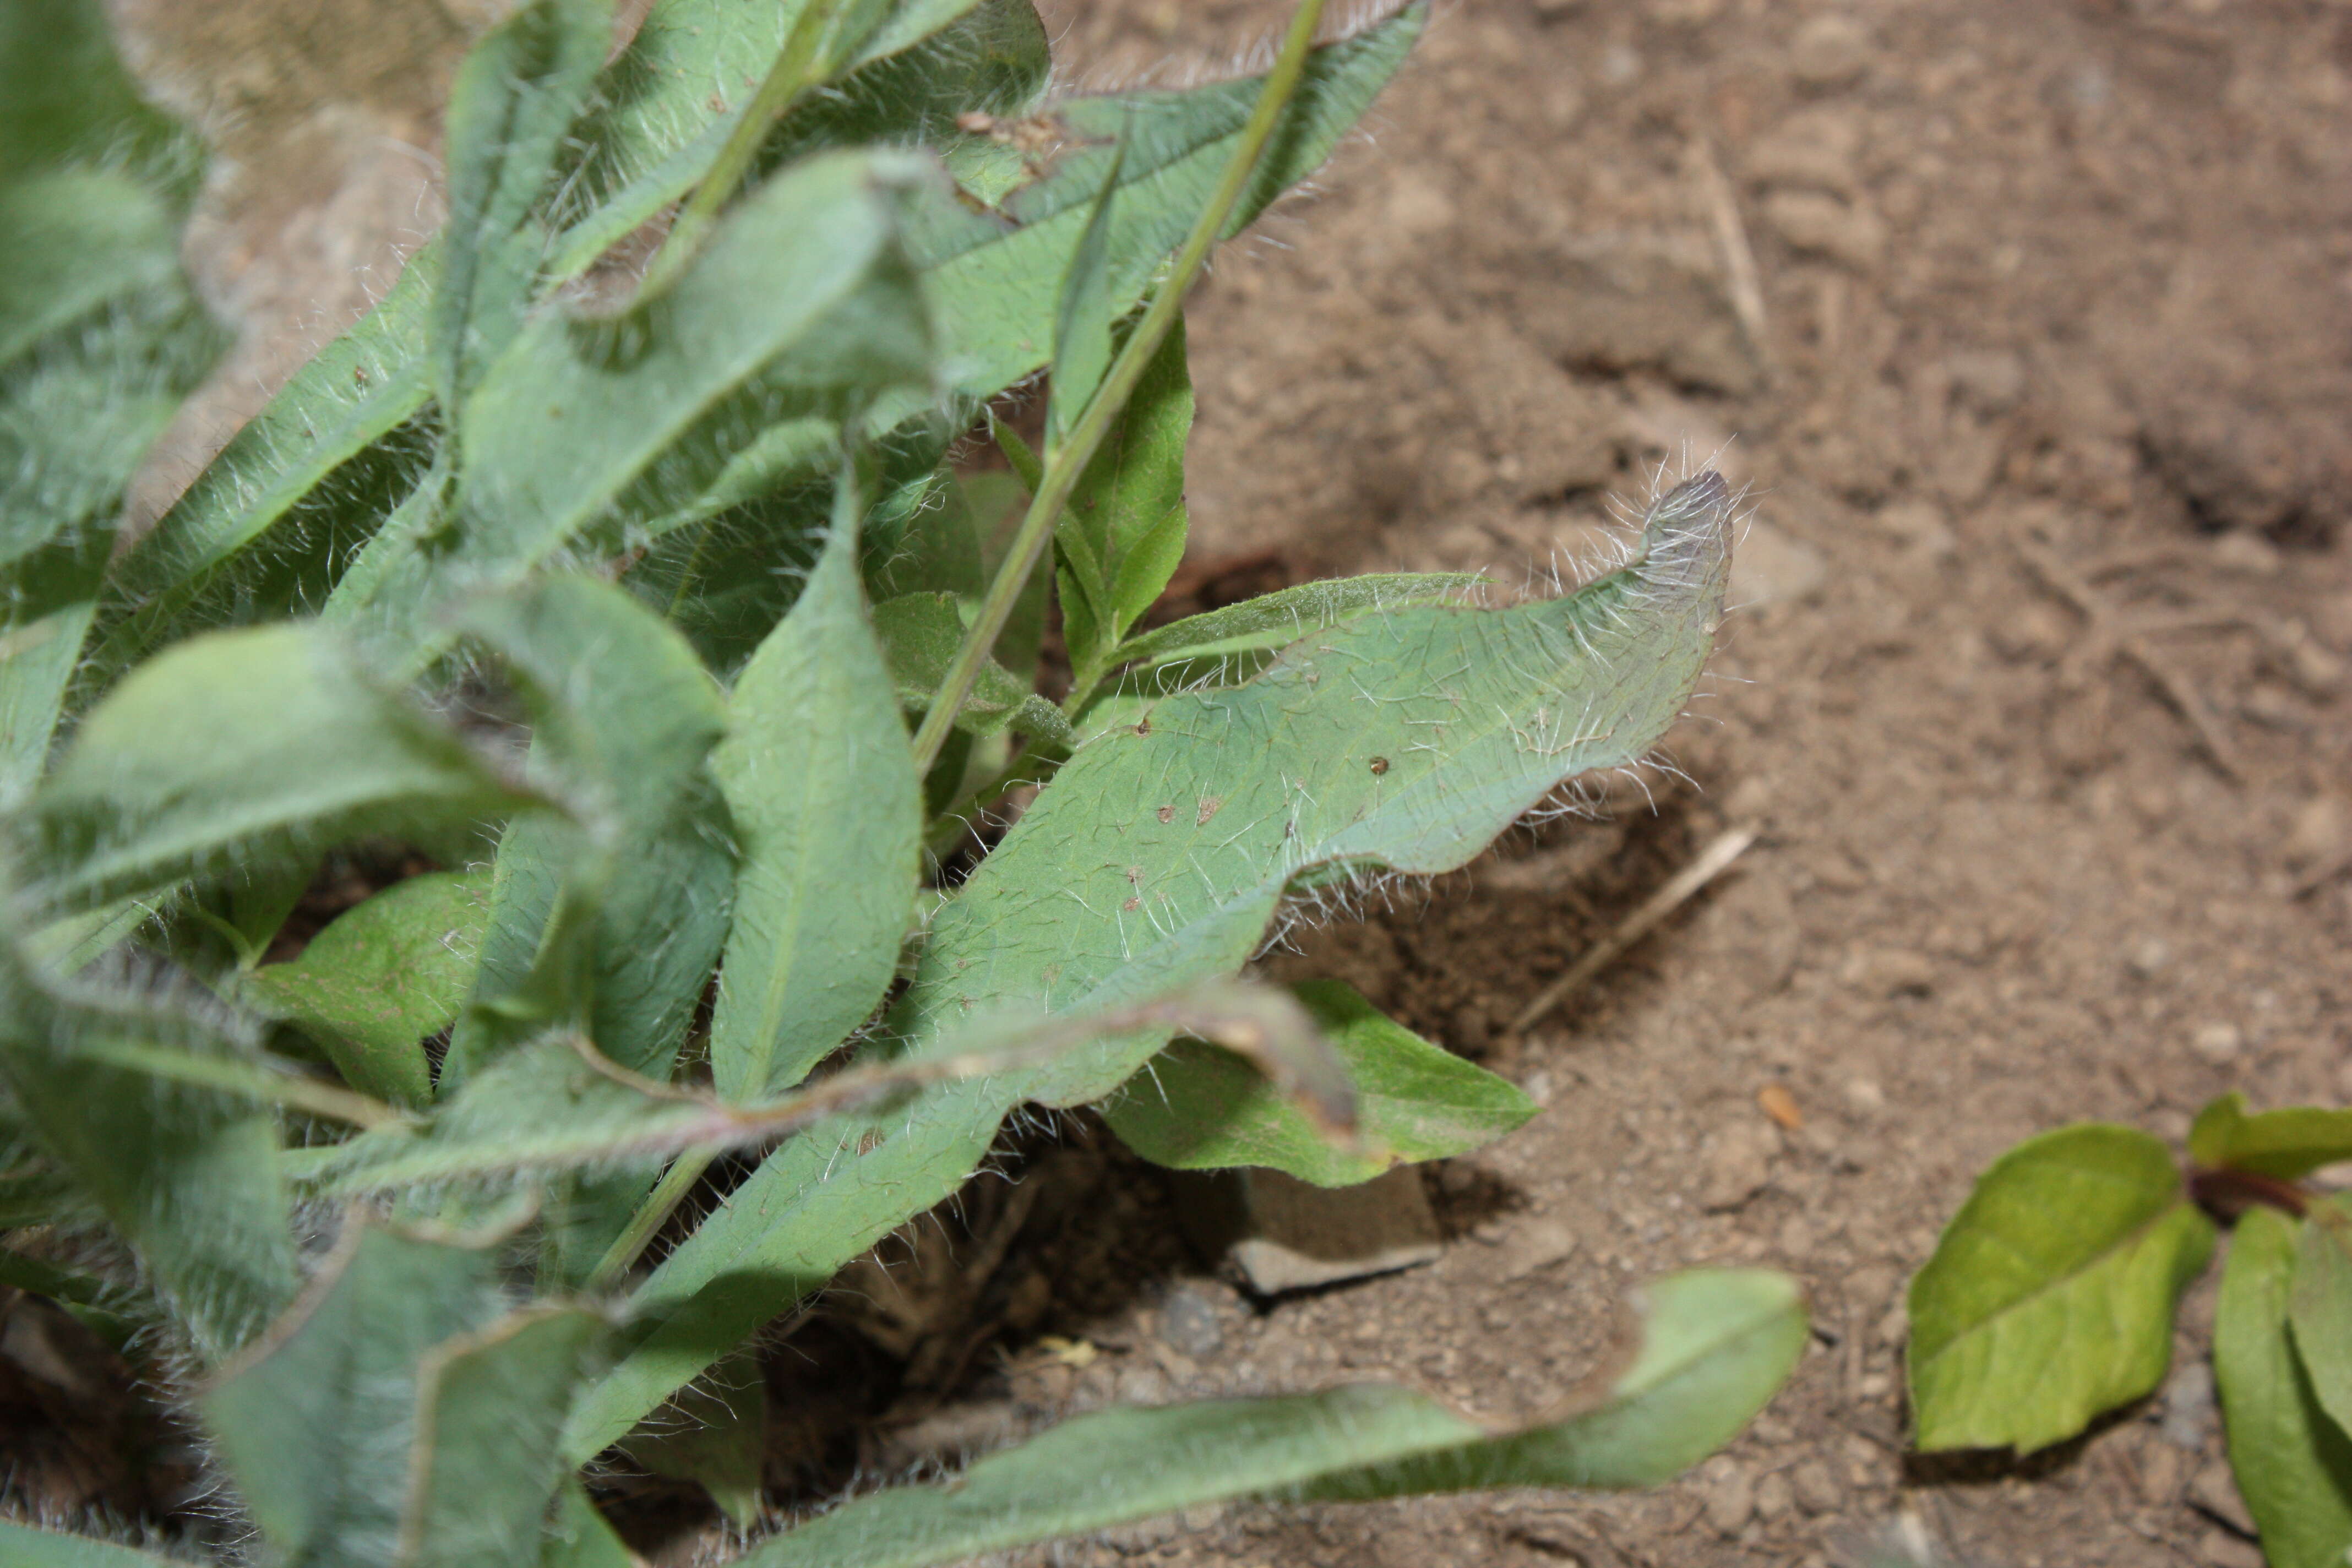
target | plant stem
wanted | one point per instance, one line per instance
(621, 1256)
(307, 1095)
(1066, 463)
(797, 69)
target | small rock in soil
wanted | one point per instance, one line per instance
(1829, 51)
(1728, 1496)
(1769, 567)
(2220, 1549)
(1772, 1496)
(1536, 1245)
(1739, 1165)
(2215, 1491)
(1813, 148)
(1822, 223)
(1188, 1322)
(2218, 1043)
(1816, 1488)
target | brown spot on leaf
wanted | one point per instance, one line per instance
(1167, 814)
(1209, 805)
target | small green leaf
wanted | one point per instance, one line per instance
(2320, 1307)
(1274, 621)
(1082, 319)
(315, 1423)
(578, 1537)
(610, 917)
(1200, 1107)
(267, 742)
(484, 1467)
(1716, 1345)
(714, 1434)
(2050, 1297)
(1128, 506)
(821, 782)
(920, 633)
(2288, 1144)
(381, 977)
(510, 109)
(2293, 1466)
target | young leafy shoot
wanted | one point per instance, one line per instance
(2293, 1463)
(2050, 1298)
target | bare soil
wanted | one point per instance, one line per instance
(2029, 327)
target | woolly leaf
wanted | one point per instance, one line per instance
(27, 1546)
(513, 101)
(1082, 319)
(384, 976)
(255, 744)
(714, 1434)
(317, 1422)
(2049, 1296)
(1199, 1108)
(484, 1467)
(1157, 858)
(1127, 512)
(1274, 621)
(612, 917)
(2293, 1463)
(819, 777)
(920, 633)
(185, 1175)
(1715, 1346)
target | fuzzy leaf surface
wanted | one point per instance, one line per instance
(251, 744)
(1127, 508)
(317, 1422)
(514, 99)
(2288, 1144)
(920, 633)
(2293, 1465)
(2050, 1297)
(820, 783)
(30, 1547)
(382, 977)
(1272, 622)
(485, 1469)
(1157, 859)
(185, 1175)
(1716, 1345)
(612, 916)
(1200, 1107)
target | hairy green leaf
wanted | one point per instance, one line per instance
(1716, 1345)
(513, 101)
(2050, 1297)
(2288, 1144)
(609, 917)
(820, 780)
(1126, 514)
(490, 1410)
(578, 1536)
(381, 978)
(1198, 1108)
(2320, 1307)
(25, 1546)
(1274, 621)
(1158, 857)
(244, 745)
(317, 1422)
(920, 633)
(1082, 318)
(801, 305)
(2293, 1466)
(714, 1434)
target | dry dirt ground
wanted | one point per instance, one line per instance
(2032, 323)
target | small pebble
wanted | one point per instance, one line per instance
(1772, 1496)
(1536, 1245)
(1814, 221)
(1188, 1322)
(1774, 1102)
(2149, 957)
(1729, 1498)
(1816, 1488)
(1828, 50)
(2218, 1042)
(2189, 1406)
(1738, 1165)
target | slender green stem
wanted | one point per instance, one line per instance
(1066, 463)
(621, 1256)
(254, 1081)
(799, 67)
